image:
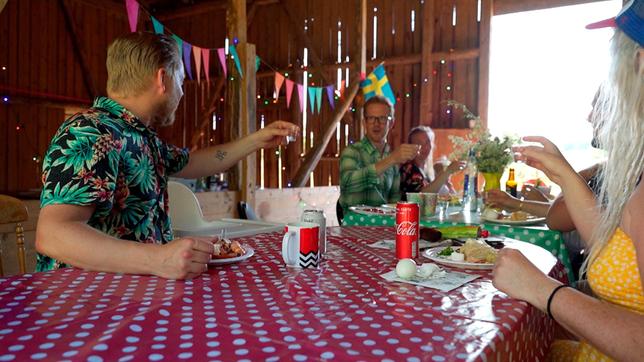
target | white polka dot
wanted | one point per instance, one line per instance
(94, 359)
(299, 357)
(46, 346)
(241, 352)
(185, 355)
(155, 357)
(327, 355)
(378, 352)
(38, 355)
(268, 349)
(7, 357)
(70, 353)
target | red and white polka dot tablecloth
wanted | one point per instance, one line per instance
(261, 310)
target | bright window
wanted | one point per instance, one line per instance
(545, 68)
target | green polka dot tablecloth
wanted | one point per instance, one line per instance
(550, 240)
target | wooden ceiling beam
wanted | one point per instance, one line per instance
(416, 58)
(203, 8)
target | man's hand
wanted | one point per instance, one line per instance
(404, 153)
(275, 134)
(184, 258)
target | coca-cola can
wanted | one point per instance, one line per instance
(317, 217)
(407, 229)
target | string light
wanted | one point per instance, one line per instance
(5, 99)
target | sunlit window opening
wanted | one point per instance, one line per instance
(545, 68)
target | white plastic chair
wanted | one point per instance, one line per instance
(185, 212)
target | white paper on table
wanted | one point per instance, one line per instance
(450, 281)
(391, 244)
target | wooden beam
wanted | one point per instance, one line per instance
(314, 155)
(206, 112)
(426, 113)
(240, 99)
(407, 59)
(78, 50)
(204, 7)
(484, 59)
(304, 41)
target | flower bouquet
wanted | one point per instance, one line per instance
(492, 154)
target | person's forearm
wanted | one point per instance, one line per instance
(439, 181)
(581, 205)
(558, 217)
(384, 164)
(591, 318)
(216, 159)
(82, 246)
(536, 208)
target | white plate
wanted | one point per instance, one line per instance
(388, 206)
(432, 254)
(529, 221)
(249, 252)
(372, 210)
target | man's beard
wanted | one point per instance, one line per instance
(165, 117)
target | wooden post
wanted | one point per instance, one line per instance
(78, 51)
(240, 99)
(484, 59)
(426, 112)
(362, 48)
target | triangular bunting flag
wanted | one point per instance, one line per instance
(196, 52)
(221, 52)
(257, 61)
(158, 27)
(205, 54)
(279, 79)
(312, 95)
(377, 83)
(318, 97)
(233, 52)
(300, 96)
(289, 92)
(329, 96)
(187, 48)
(132, 7)
(179, 43)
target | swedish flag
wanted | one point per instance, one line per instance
(377, 83)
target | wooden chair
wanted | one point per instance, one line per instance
(14, 211)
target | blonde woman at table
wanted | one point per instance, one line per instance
(105, 174)
(610, 326)
(421, 174)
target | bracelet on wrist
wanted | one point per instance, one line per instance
(552, 294)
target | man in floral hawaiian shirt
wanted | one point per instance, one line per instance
(106, 171)
(368, 175)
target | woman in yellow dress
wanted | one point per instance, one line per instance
(611, 324)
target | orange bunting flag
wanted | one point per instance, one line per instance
(279, 79)
(205, 55)
(289, 92)
(196, 51)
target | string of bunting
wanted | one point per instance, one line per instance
(201, 58)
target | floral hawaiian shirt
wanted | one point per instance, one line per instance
(105, 157)
(412, 178)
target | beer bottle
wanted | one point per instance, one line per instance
(511, 184)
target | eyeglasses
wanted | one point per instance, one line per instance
(378, 119)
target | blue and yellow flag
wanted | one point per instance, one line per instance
(377, 83)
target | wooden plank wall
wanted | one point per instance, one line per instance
(41, 65)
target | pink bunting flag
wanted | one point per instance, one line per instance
(289, 92)
(132, 7)
(205, 55)
(279, 79)
(196, 51)
(300, 95)
(221, 52)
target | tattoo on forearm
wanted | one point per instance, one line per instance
(220, 155)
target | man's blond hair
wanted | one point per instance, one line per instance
(133, 59)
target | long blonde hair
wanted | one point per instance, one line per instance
(621, 135)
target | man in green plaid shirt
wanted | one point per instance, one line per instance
(368, 169)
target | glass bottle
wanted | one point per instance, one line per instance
(511, 184)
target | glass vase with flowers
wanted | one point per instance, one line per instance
(491, 154)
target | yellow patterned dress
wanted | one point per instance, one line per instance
(614, 277)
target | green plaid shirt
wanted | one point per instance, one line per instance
(359, 182)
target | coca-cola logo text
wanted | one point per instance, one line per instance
(406, 228)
